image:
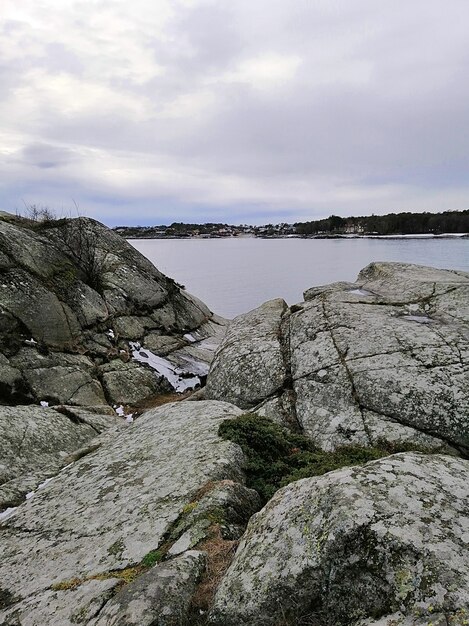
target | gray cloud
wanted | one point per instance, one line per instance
(208, 110)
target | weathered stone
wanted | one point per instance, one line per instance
(75, 286)
(227, 503)
(354, 544)
(386, 358)
(88, 305)
(162, 345)
(36, 442)
(59, 378)
(129, 327)
(46, 318)
(62, 607)
(249, 366)
(131, 383)
(161, 597)
(111, 508)
(13, 388)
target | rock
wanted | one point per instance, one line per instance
(59, 378)
(36, 442)
(131, 383)
(62, 607)
(13, 388)
(386, 358)
(161, 597)
(74, 288)
(227, 503)
(357, 544)
(47, 319)
(161, 345)
(250, 365)
(106, 512)
(130, 327)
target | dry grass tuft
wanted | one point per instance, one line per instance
(220, 553)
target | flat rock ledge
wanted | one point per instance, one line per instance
(383, 544)
(129, 514)
(385, 358)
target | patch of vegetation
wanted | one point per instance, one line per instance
(152, 558)
(277, 457)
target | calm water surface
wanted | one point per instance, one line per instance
(235, 275)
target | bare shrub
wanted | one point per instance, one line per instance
(37, 213)
(80, 243)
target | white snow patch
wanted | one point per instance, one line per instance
(46, 482)
(360, 292)
(129, 417)
(7, 512)
(110, 333)
(44, 403)
(29, 495)
(174, 375)
(31, 342)
(189, 337)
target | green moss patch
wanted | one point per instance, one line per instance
(277, 457)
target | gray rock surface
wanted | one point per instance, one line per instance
(36, 442)
(367, 543)
(75, 294)
(106, 512)
(131, 383)
(160, 597)
(249, 365)
(384, 358)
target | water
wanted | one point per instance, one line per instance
(235, 275)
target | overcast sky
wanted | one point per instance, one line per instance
(256, 111)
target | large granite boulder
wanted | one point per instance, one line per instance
(74, 297)
(385, 543)
(385, 358)
(150, 492)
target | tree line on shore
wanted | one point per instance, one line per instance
(405, 223)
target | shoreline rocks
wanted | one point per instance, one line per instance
(384, 358)
(74, 296)
(109, 523)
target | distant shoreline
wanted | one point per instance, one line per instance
(344, 236)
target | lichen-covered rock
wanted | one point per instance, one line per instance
(250, 363)
(384, 358)
(161, 597)
(36, 442)
(59, 607)
(72, 289)
(107, 511)
(362, 543)
(131, 383)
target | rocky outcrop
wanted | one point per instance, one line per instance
(36, 442)
(384, 544)
(386, 358)
(149, 493)
(77, 303)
